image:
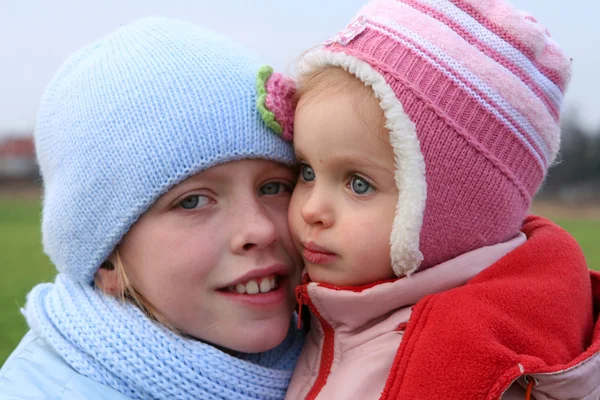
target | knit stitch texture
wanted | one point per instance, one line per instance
(114, 343)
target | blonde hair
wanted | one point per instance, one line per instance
(127, 292)
(327, 78)
(315, 81)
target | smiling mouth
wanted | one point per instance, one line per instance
(255, 286)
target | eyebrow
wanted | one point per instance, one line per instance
(359, 160)
(356, 160)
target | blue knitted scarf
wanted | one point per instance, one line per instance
(114, 343)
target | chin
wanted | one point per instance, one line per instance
(260, 336)
(318, 275)
(333, 279)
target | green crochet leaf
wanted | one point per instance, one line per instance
(261, 87)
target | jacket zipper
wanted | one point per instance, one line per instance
(328, 342)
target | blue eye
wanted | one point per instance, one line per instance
(307, 173)
(273, 188)
(360, 185)
(193, 201)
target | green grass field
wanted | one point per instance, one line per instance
(587, 233)
(23, 263)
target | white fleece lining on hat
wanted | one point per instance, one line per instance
(410, 164)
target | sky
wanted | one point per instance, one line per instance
(36, 36)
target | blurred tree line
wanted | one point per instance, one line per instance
(575, 175)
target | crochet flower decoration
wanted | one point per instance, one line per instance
(275, 101)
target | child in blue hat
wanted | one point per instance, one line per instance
(165, 212)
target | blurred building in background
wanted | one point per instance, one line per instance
(17, 161)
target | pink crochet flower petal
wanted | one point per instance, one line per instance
(280, 101)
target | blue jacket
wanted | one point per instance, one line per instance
(35, 372)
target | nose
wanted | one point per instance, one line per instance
(318, 209)
(253, 227)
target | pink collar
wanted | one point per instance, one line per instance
(353, 308)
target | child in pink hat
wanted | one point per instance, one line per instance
(423, 131)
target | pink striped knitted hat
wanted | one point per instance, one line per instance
(472, 91)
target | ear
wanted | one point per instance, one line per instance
(107, 279)
(275, 101)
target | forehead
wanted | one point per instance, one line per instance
(239, 169)
(334, 84)
(341, 124)
(234, 174)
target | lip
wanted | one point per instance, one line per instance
(315, 248)
(280, 270)
(315, 254)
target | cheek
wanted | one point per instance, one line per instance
(279, 217)
(373, 232)
(373, 251)
(161, 260)
(295, 210)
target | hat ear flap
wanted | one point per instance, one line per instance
(276, 101)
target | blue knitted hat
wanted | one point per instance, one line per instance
(131, 115)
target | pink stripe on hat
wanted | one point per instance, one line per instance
(492, 96)
(522, 31)
(548, 95)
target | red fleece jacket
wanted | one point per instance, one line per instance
(532, 312)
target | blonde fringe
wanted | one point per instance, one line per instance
(332, 79)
